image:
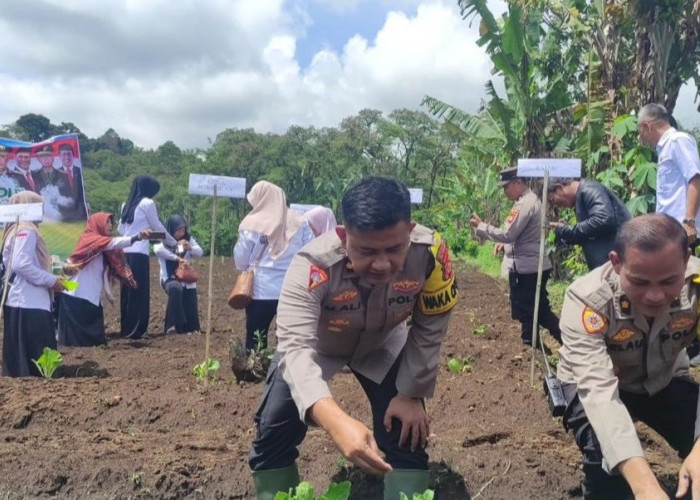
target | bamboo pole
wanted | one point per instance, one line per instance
(209, 291)
(540, 265)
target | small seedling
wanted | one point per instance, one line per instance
(460, 365)
(136, 478)
(203, 369)
(49, 361)
(553, 360)
(479, 330)
(305, 491)
(426, 495)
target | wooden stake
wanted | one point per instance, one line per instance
(209, 293)
(540, 265)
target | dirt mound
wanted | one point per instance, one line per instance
(130, 421)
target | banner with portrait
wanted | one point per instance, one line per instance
(53, 169)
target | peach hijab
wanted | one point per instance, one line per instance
(271, 217)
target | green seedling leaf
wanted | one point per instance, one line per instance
(305, 491)
(202, 370)
(49, 361)
(454, 365)
(479, 330)
(337, 491)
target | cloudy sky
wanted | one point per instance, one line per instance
(185, 70)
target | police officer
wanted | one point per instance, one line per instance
(520, 238)
(625, 327)
(345, 301)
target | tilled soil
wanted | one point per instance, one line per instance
(129, 420)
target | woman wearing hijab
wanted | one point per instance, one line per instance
(182, 312)
(138, 214)
(321, 219)
(268, 238)
(28, 323)
(95, 264)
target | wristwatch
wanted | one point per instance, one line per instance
(690, 222)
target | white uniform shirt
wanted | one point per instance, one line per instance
(678, 164)
(90, 279)
(30, 288)
(145, 217)
(269, 273)
(164, 254)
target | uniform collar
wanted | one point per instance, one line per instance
(665, 137)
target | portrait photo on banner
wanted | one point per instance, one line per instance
(53, 169)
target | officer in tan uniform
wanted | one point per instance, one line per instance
(520, 238)
(345, 301)
(625, 326)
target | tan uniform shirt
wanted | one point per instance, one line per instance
(608, 345)
(521, 234)
(327, 318)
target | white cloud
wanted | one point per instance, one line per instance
(187, 70)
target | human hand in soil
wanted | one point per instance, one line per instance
(414, 420)
(352, 438)
(498, 248)
(689, 475)
(475, 220)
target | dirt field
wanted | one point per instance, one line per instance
(130, 421)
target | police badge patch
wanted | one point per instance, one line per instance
(593, 322)
(317, 277)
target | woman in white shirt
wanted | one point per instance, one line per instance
(268, 237)
(95, 263)
(28, 322)
(182, 311)
(138, 214)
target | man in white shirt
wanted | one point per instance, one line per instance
(678, 173)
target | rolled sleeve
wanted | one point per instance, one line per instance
(298, 315)
(585, 355)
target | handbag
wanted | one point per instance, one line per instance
(185, 273)
(242, 292)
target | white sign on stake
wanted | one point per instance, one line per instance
(228, 187)
(557, 167)
(416, 195)
(301, 207)
(33, 212)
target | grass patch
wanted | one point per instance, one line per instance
(61, 237)
(485, 262)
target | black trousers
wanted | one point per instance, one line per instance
(182, 311)
(670, 412)
(280, 430)
(523, 288)
(135, 302)
(26, 333)
(258, 316)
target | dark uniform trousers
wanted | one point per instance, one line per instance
(670, 412)
(280, 431)
(523, 288)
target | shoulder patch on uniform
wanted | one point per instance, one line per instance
(317, 277)
(439, 293)
(513, 215)
(23, 234)
(623, 335)
(593, 322)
